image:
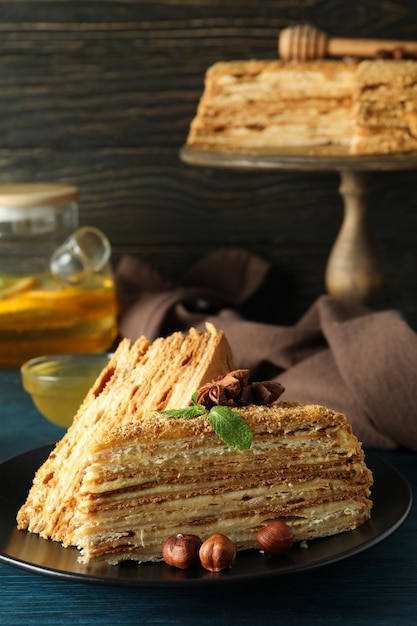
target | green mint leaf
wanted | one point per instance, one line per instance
(230, 427)
(188, 413)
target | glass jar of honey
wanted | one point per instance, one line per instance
(57, 291)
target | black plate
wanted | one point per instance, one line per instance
(391, 496)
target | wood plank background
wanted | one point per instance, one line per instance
(101, 93)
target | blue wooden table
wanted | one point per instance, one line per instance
(375, 587)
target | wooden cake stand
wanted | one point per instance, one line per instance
(353, 270)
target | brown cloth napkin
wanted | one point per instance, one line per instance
(345, 356)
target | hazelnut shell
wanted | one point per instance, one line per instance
(181, 550)
(217, 553)
(275, 538)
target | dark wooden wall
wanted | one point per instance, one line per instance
(101, 93)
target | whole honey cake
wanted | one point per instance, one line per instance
(322, 106)
(128, 474)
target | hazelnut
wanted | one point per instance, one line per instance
(275, 538)
(181, 550)
(217, 553)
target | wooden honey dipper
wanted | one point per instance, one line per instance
(305, 42)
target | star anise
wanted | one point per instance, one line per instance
(223, 390)
(234, 389)
(264, 392)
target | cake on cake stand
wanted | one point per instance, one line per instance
(353, 271)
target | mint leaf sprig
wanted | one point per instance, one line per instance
(228, 425)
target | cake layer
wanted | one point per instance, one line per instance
(369, 140)
(257, 104)
(160, 476)
(252, 106)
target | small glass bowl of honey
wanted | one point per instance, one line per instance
(59, 383)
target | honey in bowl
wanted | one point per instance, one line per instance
(59, 383)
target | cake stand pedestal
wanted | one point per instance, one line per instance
(353, 271)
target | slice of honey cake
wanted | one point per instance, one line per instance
(139, 464)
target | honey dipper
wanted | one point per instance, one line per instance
(304, 42)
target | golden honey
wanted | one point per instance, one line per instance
(56, 285)
(59, 383)
(39, 317)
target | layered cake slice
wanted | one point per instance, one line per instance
(316, 107)
(140, 464)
